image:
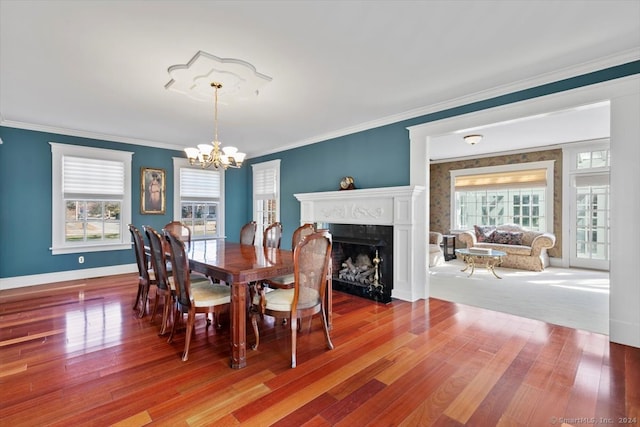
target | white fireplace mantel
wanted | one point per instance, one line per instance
(395, 206)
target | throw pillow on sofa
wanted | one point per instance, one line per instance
(484, 232)
(505, 237)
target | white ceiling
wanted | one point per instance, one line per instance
(582, 123)
(99, 68)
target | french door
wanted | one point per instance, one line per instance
(590, 245)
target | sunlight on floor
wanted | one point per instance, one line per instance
(577, 298)
(569, 280)
(577, 287)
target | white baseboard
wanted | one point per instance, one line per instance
(557, 262)
(626, 333)
(61, 276)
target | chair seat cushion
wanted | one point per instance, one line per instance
(281, 299)
(195, 278)
(206, 294)
(286, 280)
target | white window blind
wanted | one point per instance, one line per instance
(87, 176)
(200, 184)
(265, 184)
(90, 199)
(511, 179)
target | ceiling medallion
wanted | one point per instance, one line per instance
(236, 79)
(239, 79)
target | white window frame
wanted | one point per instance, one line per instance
(570, 173)
(58, 243)
(181, 162)
(273, 165)
(545, 164)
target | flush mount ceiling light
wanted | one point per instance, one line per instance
(472, 139)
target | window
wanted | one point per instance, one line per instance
(589, 203)
(198, 199)
(511, 194)
(91, 199)
(593, 159)
(266, 196)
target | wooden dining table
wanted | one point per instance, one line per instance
(237, 265)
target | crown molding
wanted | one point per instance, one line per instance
(551, 77)
(90, 135)
(568, 72)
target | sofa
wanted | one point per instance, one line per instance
(436, 256)
(525, 249)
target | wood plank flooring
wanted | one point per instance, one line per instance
(74, 353)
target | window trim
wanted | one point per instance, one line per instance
(58, 244)
(570, 173)
(181, 162)
(548, 165)
(274, 165)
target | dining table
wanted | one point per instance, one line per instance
(238, 265)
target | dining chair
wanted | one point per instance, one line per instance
(193, 297)
(311, 259)
(181, 230)
(272, 236)
(146, 276)
(248, 233)
(286, 281)
(164, 277)
(165, 286)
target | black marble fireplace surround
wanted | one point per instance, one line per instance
(351, 241)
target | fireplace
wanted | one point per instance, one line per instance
(362, 259)
(366, 221)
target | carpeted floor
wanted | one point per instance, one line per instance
(570, 297)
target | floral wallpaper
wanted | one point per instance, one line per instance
(440, 188)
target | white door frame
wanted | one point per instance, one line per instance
(624, 94)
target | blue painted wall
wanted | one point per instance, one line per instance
(25, 202)
(379, 157)
(375, 158)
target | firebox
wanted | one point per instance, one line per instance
(362, 260)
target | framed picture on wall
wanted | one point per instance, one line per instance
(152, 191)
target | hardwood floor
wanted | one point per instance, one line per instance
(75, 353)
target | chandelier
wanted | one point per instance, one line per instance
(212, 154)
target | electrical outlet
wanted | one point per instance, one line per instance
(81, 259)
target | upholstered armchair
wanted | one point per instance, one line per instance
(436, 256)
